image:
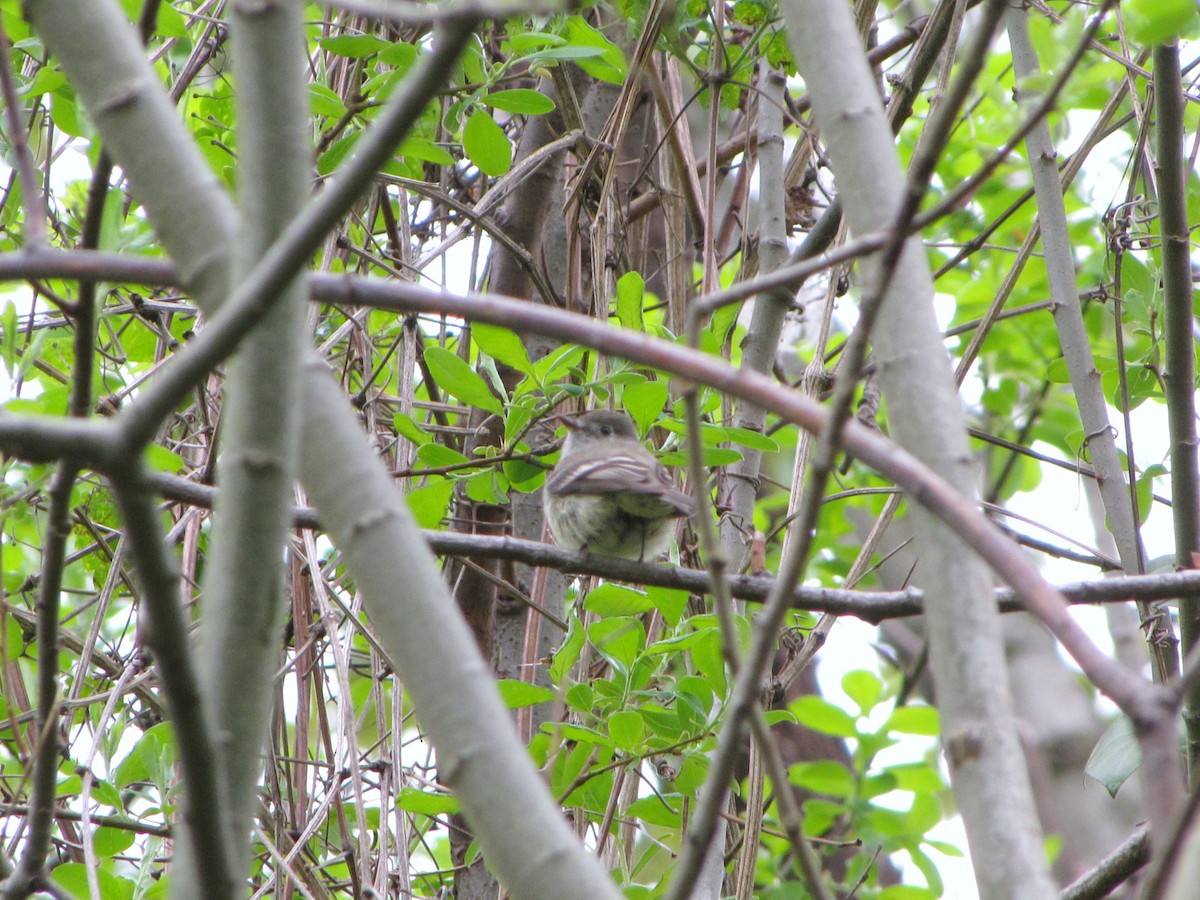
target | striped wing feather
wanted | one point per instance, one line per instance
(621, 474)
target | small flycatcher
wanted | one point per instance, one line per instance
(608, 494)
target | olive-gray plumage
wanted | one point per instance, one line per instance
(608, 494)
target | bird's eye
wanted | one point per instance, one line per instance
(606, 430)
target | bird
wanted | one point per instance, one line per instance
(608, 494)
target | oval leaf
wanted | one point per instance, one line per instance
(522, 101)
(460, 381)
(486, 144)
(502, 345)
(615, 600)
(516, 694)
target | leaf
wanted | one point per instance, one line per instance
(1159, 21)
(160, 459)
(516, 694)
(825, 777)
(706, 654)
(460, 381)
(819, 714)
(619, 640)
(47, 79)
(755, 440)
(556, 363)
(486, 144)
(631, 289)
(73, 877)
(568, 652)
(429, 502)
(522, 101)
(616, 600)
(414, 147)
(645, 402)
(354, 46)
(627, 730)
(563, 54)
(671, 602)
(713, 457)
(426, 803)
(325, 102)
(407, 427)
(609, 65)
(916, 777)
(111, 841)
(653, 810)
(534, 40)
(922, 720)
(581, 697)
(400, 54)
(502, 345)
(1115, 757)
(436, 456)
(864, 688)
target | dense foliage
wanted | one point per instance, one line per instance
(609, 160)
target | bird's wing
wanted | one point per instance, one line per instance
(621, 474)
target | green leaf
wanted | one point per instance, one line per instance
(332, 158)
(516, 694)
(926, 812)
(557, 362)
(72, 877)
(631, 289)
(436, 456)
(906, 892)
(564, 54)
(568, 652)
(534, 40)
(627, 730)
(922, 720)
(692, 773)
(1159, 21)
(522, 101)
(354, 46)
(820, 715)
(706, 654)
(407, 427)
(755, 440)
(671, 602)
(917, 777)
(616, 600)
(10, 333)
(152, 758)
(581, 697)
(825, 777)
(399, 54)
(325, 102)
(502, 345)
(65, 114)
(414, 147)
(426, 803)
(486, 144)
(610, 64)
(47, 79)
(460, 381)
(1115, 757)
(111, 841)
(430, 501)
(645, 402)
(713, 457)
(864, 688)
(653, 810)
(619, 640)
